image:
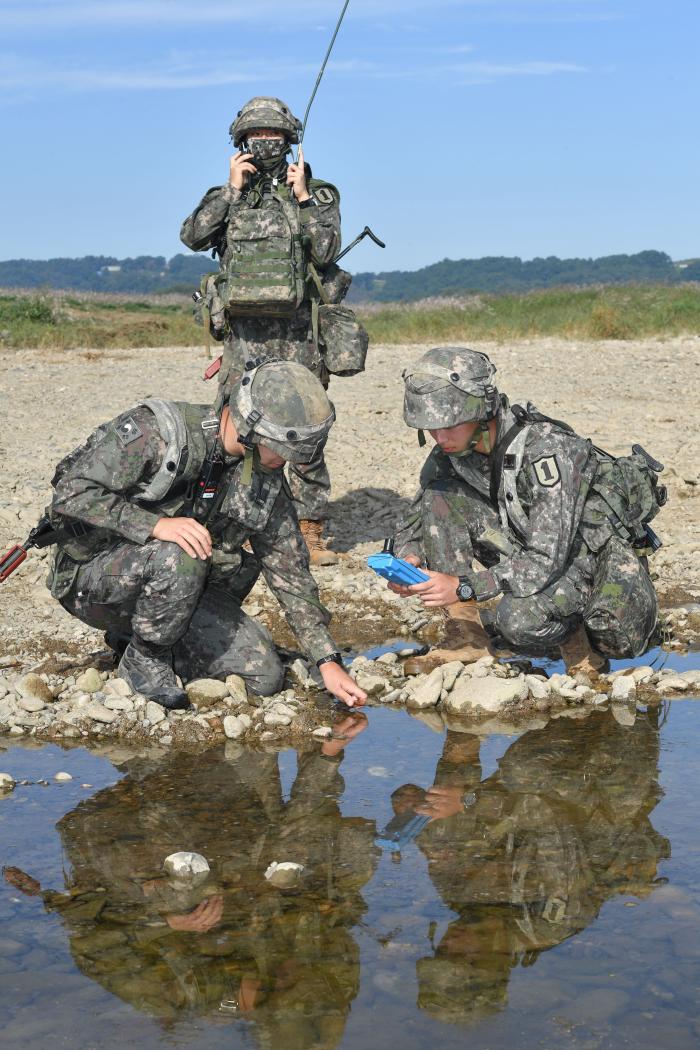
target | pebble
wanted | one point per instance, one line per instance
(672, 683)
(373, 684)
(425, 693)
(7, 783)
(31, 704)
(284, 874)
(205, 692)
(236, 725)
(237, 688)
(98, 713)
(539, 688)
(62, 776)
(119, 703)
(322, 732)
(274, 719)
(117, 687)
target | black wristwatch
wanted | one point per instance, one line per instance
(332, 658)
(465, 591)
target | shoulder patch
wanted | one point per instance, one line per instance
(128, 431)
(547, 471)
(323, 195)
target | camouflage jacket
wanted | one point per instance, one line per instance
(553, 473)
(103, 484)
(212, 222)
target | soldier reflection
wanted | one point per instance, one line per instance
(528, 856)
(233, 946)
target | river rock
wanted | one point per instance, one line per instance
(117, 687)
(98, 713)
(187, 866)
(624, 688)
(62, 776)
(32, 687)
(322, 732)
(237, 688)
(538, 688)
(373, 684)
(154, 712)
(272, 718)
(119, 703)
(671, 683)
(236, 725)
(90, 681)
(284, 874)
(205, 692)
(426, 692)
(299, 673)
(486, 694)
(31, 704)
(643, 674)
(388, 658)
(7, 783)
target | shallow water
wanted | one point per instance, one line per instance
(559, 907)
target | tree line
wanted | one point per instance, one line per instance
(154, 273)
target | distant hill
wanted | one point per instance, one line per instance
(502, 274)
(147, 274)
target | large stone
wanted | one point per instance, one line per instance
(643, 674)
(672, 683)
(471, 695)
(624, 688)
(62, 776)
(206, 692)
(89, 681)
(373, 684)
(119, 703)
(426, 692)
(274, 719)
(31, 703)
(98, 713)
(154, 712)
(32, 687)
(7, 783)
(539, 688)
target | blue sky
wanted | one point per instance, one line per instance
(455, 128)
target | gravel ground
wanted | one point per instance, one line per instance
(615, 392)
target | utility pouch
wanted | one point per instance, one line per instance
(625, 495)
(209, 310)
(343, 341)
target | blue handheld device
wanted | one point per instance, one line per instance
(396, 570)
(401, 830)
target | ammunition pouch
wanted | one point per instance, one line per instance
(624, 497)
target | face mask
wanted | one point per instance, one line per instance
(268, 154)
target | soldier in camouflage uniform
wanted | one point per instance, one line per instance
(538, 507)
(264, 191)
(167, 572)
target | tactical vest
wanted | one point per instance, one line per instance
(265, 268)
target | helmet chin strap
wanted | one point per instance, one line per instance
(421, 438)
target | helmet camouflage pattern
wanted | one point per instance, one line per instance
(265, 112)
(449, 385)
(283, 406)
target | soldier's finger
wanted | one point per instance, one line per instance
(186, 546)
(300, 158)
(200, 545)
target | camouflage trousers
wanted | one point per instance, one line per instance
(610, 592)
(285, 339)
(160, 594)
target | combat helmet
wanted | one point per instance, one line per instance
(282, 405)
(265, 111)
(450, 385)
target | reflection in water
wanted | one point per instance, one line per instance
(525, 858)
(528, 856)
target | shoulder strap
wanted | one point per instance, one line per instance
(501, 450)
(174, 433)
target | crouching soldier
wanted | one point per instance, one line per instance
(558, 526)
(152, 513)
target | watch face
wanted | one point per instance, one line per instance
(464, 592)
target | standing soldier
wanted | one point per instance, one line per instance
(559, 527)
(276, 232)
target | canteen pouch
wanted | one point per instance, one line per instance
(342, 340)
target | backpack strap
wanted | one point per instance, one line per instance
(174, 433)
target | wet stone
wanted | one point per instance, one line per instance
(624, 688)
(486, 694)
(98, 713)
(204, 693)
(7, 783)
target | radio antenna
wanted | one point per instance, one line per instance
(321, 72)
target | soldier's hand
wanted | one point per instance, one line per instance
(339, 682)
(241, 168)
(205, 916)
(344, 732)
(398, 588)
(187, 533)
(438, 591)
(296, 178)
(441, 802)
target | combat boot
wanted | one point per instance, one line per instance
(580, 657)
(465, 640)
(318, 548)
(148, 670)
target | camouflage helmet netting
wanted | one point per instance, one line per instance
(295, 414)
(449, 385)
(265, 112)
